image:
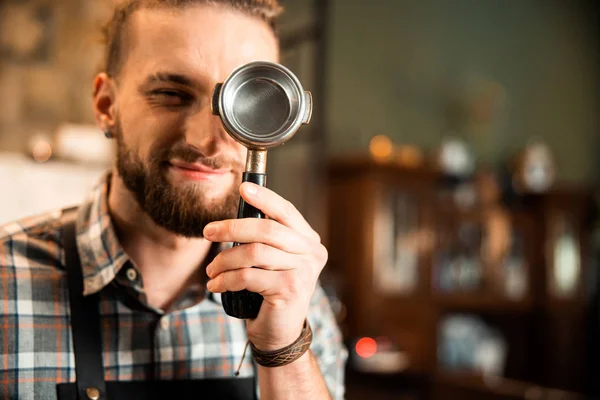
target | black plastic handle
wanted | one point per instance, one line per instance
(245, 304)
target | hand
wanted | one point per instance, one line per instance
(288, 256)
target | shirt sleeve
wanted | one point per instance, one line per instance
(327, 346)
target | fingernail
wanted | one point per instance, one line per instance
(209, 270)
(209, 285)
(209, 230)
(251, 188)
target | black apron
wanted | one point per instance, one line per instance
(89, 368)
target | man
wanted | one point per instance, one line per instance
(147, 238)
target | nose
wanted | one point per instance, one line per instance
(205, 132)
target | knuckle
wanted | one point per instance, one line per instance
(271, 229)
(323, 254)
(317, 236)
(255, 251)
(318, 258)
(288, 208)
(314, 265)
(243, 274)
(231, 226)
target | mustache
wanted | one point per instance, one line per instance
(190, 154)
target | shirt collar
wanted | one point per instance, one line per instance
(100, 252)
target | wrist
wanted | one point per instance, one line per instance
(282, 340)
(284, 355)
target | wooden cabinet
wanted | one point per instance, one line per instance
(409, 259)
(364, 237)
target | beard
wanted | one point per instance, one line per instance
(185, 209)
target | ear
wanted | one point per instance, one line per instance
(105, 97)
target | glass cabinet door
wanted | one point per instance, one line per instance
(400, 240)
(564, 257)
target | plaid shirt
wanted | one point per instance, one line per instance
(193, 340)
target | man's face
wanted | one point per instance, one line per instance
(173, 155)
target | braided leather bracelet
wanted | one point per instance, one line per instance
(286, 355)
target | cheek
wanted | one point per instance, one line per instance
(144, 132)
(241, 153)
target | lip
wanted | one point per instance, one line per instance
(196, 171)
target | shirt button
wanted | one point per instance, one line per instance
(131, 274)
(164, 324)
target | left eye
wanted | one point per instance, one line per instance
(172, 97)
(168, 93)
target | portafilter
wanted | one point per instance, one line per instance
(261, 105)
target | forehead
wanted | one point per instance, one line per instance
(203, 41)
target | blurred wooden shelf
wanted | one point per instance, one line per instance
(360, 164)
(502, 387)
(475, 302)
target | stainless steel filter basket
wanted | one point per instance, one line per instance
(262, 104)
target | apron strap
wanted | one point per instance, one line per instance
(85, 324)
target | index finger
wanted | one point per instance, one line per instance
(277, 208)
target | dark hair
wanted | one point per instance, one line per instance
(115, 30)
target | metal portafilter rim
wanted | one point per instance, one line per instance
(281, 79)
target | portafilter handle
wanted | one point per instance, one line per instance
(245, 304)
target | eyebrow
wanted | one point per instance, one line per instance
(169, 77)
